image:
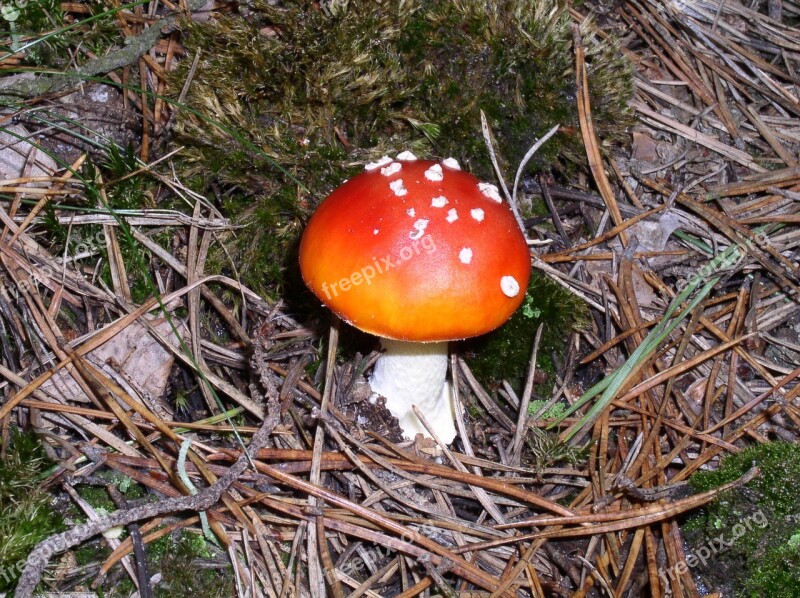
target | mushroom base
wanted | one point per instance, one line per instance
(416, 374)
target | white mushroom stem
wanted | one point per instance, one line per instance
(416, 374)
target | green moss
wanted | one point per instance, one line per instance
(760, 523)
(22, 21)
(189, 567)
(26, 514)
(56, 237)
(91, 552)
(182, 575)
(320, 90)
(97, 496)
(777, 486)
(778, 572)
(555, 410)
(505, 353)
(124, 192)
(538, 207)
(32, 19)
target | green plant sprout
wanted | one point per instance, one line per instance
(529, 310)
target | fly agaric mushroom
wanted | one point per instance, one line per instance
(418, 253)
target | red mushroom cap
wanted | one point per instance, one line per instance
(416, 250)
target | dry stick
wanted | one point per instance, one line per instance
(136, 218)
(768, 135)
(522, 419)
(673, 546)
(95, 384)
(487, 137)
(44, 263)
(609, 234)
(503, 486)
(690, 134)
(83, 350)
(766, 394)
(480, 493)
(316, 576)
(389, 569)
(116, 262)
(747, 428)
(410, 541)
(548, 200)
(734, 329)
(674, 61)
(204, 500)
(195, 264)
(36, 191)
(30, 158)
(613, 520)
(731, 76)
(361, 466)
(757, 183)
(485, 399)
(581, 197)
(560, 278)
(142, 576)
(297, 460)
(56, 190)
(73, 414)
(590, 137)
(724, 110)
(631, 561)
(609, 256)
(105, 387)
(651, 551)
(508, 578)
(721, 335)
(679, 368)
(760, 249)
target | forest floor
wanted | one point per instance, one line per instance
(133, 373)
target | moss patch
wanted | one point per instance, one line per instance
(318, 89)
(182, 573)
(553, 411)
(759, 524)
(26, 514)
